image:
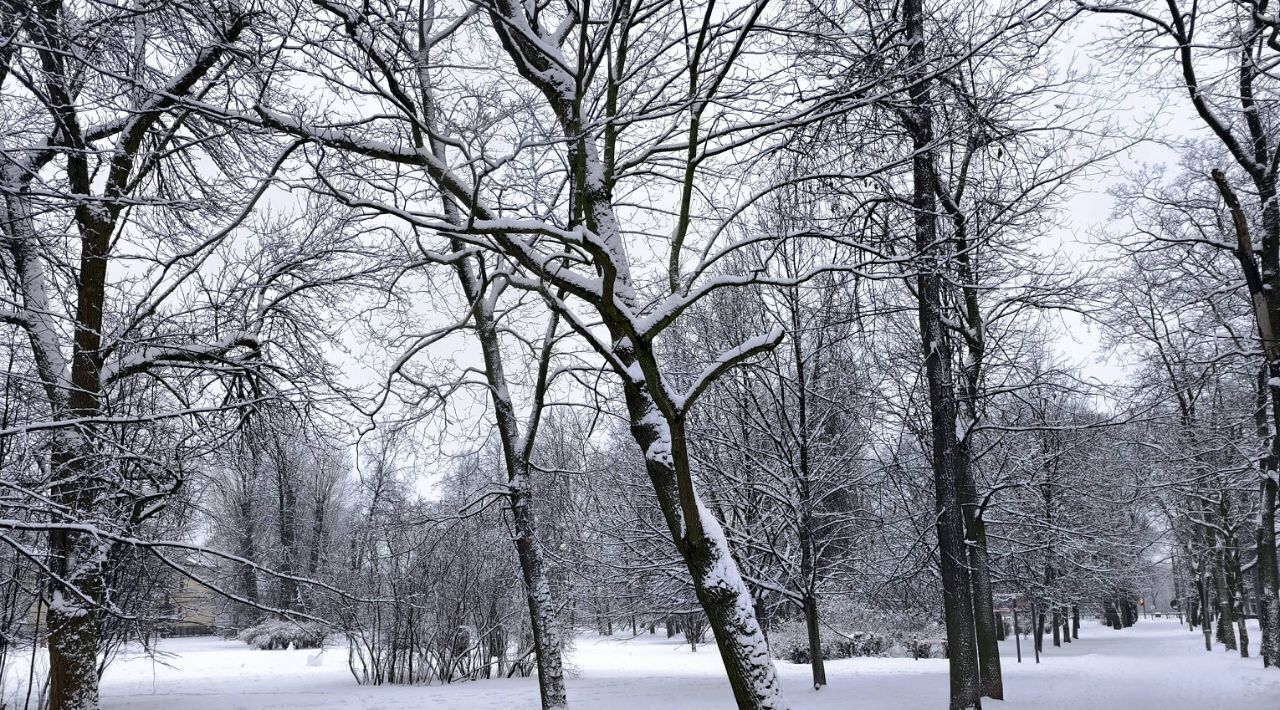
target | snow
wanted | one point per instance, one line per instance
(1157, 665)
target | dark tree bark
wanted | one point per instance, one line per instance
(811, 624)
(98, 196)
(962, 651)
(1267, 570)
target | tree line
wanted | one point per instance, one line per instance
(740, 319)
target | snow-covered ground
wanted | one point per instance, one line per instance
(1156, 665)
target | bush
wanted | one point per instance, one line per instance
(790, 641)
(862, 643)
(878, 633)
(925, 648)
(271, 634)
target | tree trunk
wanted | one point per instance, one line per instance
(1265, 297)
(957, 590)
(1206, 611)
(547, 643)
(287, 512)
(248, 577)
(1239, 597)
(1075, 621)
(1226, 598)
(73, 624)
(980, 578)
(700, 540)
(815, 642)
(1269, 608)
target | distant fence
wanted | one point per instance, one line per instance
(185, 630)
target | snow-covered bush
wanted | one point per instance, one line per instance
(789, 641)
(859, 644)
(271, 634)
(852, 631)
(925, 648)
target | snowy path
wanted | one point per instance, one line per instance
(1154, 666)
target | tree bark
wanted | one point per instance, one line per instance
(815, 642)
(547, 643)
(74, 625)
(1269, 613)
(980, 577)
(700, 540)
(957, 591)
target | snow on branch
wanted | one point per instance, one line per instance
(153, 355)
(727, 361)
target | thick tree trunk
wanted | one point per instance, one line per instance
(1265, 298)
(957, 590)
(1225, 632)
(1226, 597)
(73, 625)
(1075, 621)
(1239, 597)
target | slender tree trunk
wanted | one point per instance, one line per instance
(1075, 621)
(980, 577)
(815, 642)
(287, 529)
(762, 615)
(700, 540)
(808, 550)
(1269, 611)
(1206, 610)
(547, 643)
(1226, 603)
(248, 576)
